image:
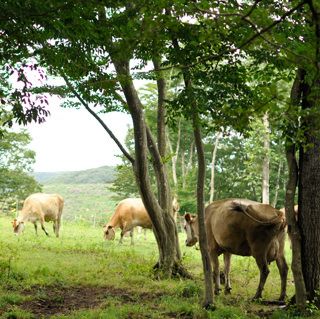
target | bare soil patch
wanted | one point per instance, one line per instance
(54, 300)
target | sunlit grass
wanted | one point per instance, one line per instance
(80, 257)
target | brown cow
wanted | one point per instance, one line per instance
(130, 213)
(246, 228)
(40, 207)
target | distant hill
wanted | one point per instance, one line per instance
(104, 174)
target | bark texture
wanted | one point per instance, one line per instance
(293, 229)
(208, 298)
(309, 183)
(309, 165)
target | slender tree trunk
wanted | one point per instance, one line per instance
(207, 270)
(277, 187)
(266, 160)
(293, 230)
(293, 170)
(188, 167)
(164, 192)
(174, 158)
(213, 162)
(183, 170)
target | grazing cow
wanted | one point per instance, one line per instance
(246, 228)
(40, 207)
(129, 213)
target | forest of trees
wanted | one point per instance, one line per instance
(221, 68)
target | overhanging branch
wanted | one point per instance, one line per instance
(85, 104)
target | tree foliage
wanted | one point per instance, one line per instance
(16, 161)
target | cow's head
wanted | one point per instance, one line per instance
(191, 229)
(18, 226)
(109, 232)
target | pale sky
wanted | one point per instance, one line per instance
(72, 140)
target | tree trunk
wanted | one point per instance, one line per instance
(309, 216)
(207, 270)
(266, 160)
(174, 158)
(293, 229)
(188, 167)
(213, 161)
(183, 170)
(160, 214)
(275, 199)
(309, 183)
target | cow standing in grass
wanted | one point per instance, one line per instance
(245, 228)
(43, 208)
(129, 213)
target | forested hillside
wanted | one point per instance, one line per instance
(103, 174)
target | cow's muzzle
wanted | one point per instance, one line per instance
(191, 242)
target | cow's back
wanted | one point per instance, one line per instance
(234, 231)
(132, 210)
(46, 206)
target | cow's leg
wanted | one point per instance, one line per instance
(43, 228)
(121, 236)
(216, 271)
(264, 272)
(227, 266)
(35, 227)
(131, 235)
(283, 271)
(56, 227)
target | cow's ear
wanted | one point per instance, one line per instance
(188, 217)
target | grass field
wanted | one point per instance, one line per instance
(79, 275)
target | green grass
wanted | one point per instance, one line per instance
(115, 281)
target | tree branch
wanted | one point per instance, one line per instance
(85, 104)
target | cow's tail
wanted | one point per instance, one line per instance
(245, 209)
